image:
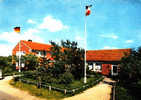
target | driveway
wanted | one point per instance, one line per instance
(7, 91)
(101, 91)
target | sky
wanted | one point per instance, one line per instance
(112, 24)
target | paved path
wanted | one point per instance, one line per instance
(99, 92)
(5, 96)
(7, 91)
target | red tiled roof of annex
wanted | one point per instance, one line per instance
(107, 55)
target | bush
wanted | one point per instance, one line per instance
(122, 94)
(66, 78)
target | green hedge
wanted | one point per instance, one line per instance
(68, 89)
(122, 94)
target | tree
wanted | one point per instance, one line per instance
(6, 64)
(130, 68)
(31, 61)
(68, 58)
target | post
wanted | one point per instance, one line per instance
(85, 66)
(20, 56)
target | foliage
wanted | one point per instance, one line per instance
(130, 70)
(31, 61)
(6, 65)
(72, 88)
(69, 57)
(122, 94)
(130, 76)
(66, 78)
(43, 93)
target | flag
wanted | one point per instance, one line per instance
(17, 29)
(88, 11)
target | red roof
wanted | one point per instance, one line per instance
(36, 46)
(106, 55)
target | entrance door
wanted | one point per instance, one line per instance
(106, 69)
(114, 70)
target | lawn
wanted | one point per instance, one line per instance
(40, 92)
(55, 95)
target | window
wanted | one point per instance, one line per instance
(90, 66)
(98, 67)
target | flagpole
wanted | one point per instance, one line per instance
(20, 56)
(85, 65)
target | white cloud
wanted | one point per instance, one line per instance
(51, 24)
(32, 30)
(80, 41)
(113, 36)
(129, 41)
(108, 47)
(5, 50)
(12, 38)
(31, 21)
(78, 38)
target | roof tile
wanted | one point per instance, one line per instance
(106, 55)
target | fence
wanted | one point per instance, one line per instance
(65, 91)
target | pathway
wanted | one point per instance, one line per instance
(7, 91)
(101, 91)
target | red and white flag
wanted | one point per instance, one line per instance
(88, 11)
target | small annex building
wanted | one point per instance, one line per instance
(105, 61)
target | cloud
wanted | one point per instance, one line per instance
(112, 36)
(129, 41)
(52, 25)
(31, 21)
(5, 50)
(108, 47)
(80, 41)
(78, 38)
(12, 38)
(32, 30)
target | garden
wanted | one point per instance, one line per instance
(60, 76)
(128, 85)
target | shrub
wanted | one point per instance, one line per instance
(66, 78)
(122, 94)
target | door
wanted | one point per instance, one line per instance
(114, 70)
(106, 68)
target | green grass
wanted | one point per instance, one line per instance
(73, 85)
(54, 95)
(43, 93)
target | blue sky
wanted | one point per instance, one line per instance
(112, 24)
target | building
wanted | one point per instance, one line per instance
(105, 61)
(102, 61)
(30, 47)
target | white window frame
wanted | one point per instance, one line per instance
(97, 67)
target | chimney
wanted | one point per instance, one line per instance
(29, 40)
